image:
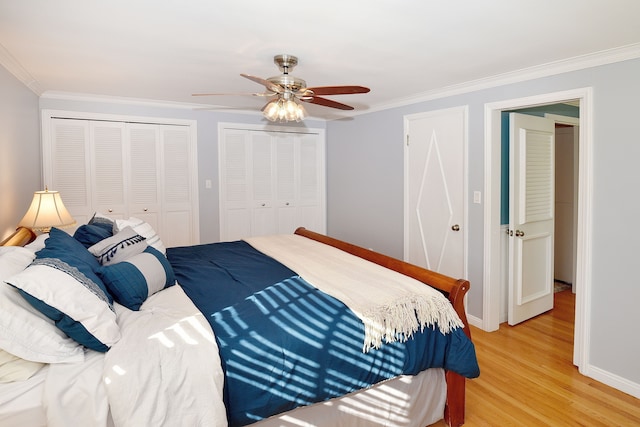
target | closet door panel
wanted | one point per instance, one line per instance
(286, 182)
(177, 191)
(234, 183)
(261, 169)
(144, 172)
(67, 166)
(107, 156)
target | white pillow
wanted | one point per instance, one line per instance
(38, 244)
(13, 368)
(24, 331)
(63, 285)
(143, 229)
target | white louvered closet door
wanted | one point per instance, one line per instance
(143, 170)
(107, 163)
(234, 165)
(270, 182)
(67, 166)
(286, 182)
(261, 169)
(178, 191)
(143, 173)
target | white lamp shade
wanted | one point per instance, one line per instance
(46, 211)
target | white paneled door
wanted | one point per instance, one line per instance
(435, 153)
(531, 216)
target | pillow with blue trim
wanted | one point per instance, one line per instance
(144, 229)
(124, 244)
(24, 331)
(134, 280)
(62, 284)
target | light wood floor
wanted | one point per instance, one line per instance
(527, 378)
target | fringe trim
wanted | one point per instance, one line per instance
(111, 252)
(400, 319)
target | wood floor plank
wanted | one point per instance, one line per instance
(527, 378)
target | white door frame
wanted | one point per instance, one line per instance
(492, 259)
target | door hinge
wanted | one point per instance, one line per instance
(407, 140)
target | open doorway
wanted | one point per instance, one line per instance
(494, 267)
(538, 206)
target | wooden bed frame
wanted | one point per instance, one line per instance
(454, 289)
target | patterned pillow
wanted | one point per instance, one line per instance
(132, 281)
(24, 331)
(119, 247)
(63, 285)
(143, 229)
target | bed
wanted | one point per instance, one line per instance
(160, 352)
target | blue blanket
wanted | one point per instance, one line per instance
(284, 343)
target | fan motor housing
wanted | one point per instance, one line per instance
(288, 82)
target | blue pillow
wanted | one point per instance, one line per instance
(134, 280)
(102, 221)
(89, 234)
(62, 284)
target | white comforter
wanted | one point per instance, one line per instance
(166, 368)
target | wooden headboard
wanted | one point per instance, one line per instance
(20, 237)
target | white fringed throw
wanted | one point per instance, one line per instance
(392, 306)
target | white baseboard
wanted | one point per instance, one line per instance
(612, 380)
(474, 321)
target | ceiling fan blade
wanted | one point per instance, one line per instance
(266, 83)
(234, 94)
(338, 90)
(327, 103)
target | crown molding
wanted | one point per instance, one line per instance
(576, 63)
(107, 99)
(595, 59)
(14, 67)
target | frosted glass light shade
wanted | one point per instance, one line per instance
(46, 211)
(282, 110)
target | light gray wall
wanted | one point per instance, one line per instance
(207, 124)
(365, 184)
(365, 195)
(19, 150)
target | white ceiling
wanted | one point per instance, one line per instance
(165, 50)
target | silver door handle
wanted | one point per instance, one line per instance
(455, 227)
(519, 233)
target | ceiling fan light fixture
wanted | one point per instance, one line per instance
(281, 110)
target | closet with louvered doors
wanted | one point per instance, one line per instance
(271, 181)
(124, 170)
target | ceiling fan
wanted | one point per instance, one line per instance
(286, 91)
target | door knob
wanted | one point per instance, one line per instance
(455, 227)
(519, 233)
